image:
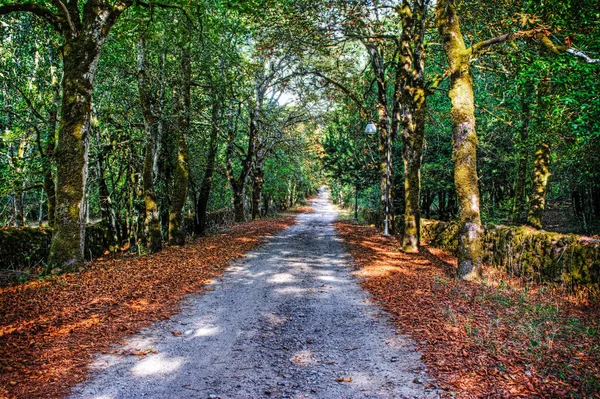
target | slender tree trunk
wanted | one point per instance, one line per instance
(49, 185)
(413, 120)
(541, 173)
(266, 201)
(257, 185)
(148, 103)
(181, 173)
(19, 210)
(541, 158)
(464, 140)
(519, 202)
(412, 155)
(238, 183)
(205, 187)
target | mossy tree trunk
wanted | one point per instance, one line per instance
(385, 134)
(464, 140)
(541, 173)
(84, 30)
(181, 172)
(411, 68)
(541, 158)
(149, 104)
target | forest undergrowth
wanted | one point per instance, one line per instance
(497, 338)
(51, 328)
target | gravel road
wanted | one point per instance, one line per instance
(287, 321)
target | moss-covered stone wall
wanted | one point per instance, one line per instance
(29, 247)
(529, 253)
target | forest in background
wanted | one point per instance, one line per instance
(140, 115)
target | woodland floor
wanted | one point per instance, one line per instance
(288, 319)
(51, 329)
(500, 338)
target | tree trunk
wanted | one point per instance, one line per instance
(257, 185)
(541, 158)
(385, 136)
(148, 103)
(181, 172)
(519, 202)
(84, 36)
(80, 59)
(49, 185)
(266, 205)
(238, 204)
(464, 139)
(238, 183)
(541, 173)
(411, 70)
(205, 187)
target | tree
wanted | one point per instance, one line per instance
(84, 30)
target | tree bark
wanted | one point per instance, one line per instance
(541, 173)
(464, 140)
(238, 183)
(411, 68)
(181, 172)
(84, 30)
(385, 134)
(80, 57)
(541, 158)
(258, 179)
(148, 102)
(49, 185)
(519, 201)
(205, 187)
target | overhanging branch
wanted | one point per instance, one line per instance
(35, 9)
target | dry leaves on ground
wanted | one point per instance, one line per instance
(50, 330)
(303, 209)
(499, 338)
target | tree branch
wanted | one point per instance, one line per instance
(503, 38)
(581, 54)
(153, 4)
(36, 9)
(62, 6)
(344, 89)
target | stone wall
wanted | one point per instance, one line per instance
(28, 247)
(528, 253)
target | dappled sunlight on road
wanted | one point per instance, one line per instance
(158, 364)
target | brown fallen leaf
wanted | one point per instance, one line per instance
(176, 333)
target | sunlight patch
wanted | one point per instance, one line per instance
(280, 278)
(156, 365)
(207, 331)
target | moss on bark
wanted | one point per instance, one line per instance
(147, 101)
(464, 138)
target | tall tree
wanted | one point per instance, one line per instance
(180, 184)
(84, 29)
(150, 107)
